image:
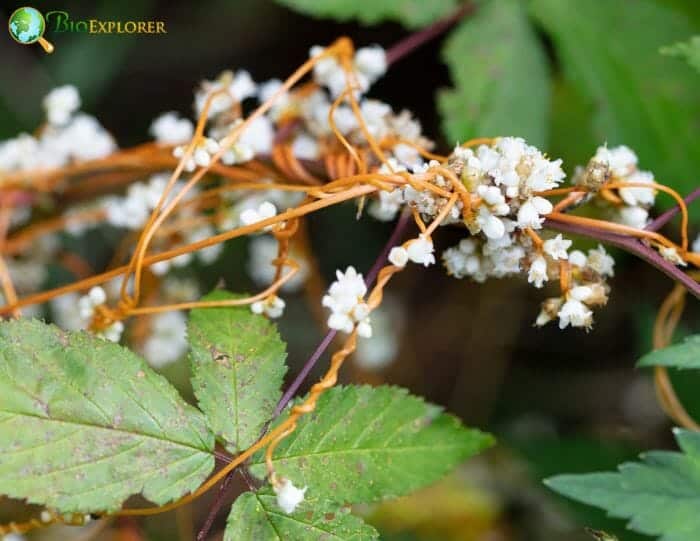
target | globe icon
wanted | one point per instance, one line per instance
(27, 25)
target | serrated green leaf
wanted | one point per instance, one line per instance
(238, 365)
(660, 495)
(683, 355)
(610, 52)
(688, 50)
(499, 72)
(411, 13)
(85, 423)
(364, 444)
(257, 517)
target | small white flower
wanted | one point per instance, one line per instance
(537, 273)
(345, 299)
(97, 295)
(696, 244)
(252, 216)
(170, 129)
(670, 254)
(557, 247)
(421, 250)
(273, 307)
(113, 332)
(258, 136)
(371, 61)
(531, 212)
(636, 195)
(622, 160)
(364, 328)
(492, 226)
(599, 260)
(398, 256)
(634, 217)
(87, 303)
(574, 313)
(288, 496)
(580, 293)
(388, 205)
(578, 258)
(61, 103)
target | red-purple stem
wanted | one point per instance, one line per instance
(415, 40)
(215, 507)
(633, 246)
(399, 230)
(662, 219)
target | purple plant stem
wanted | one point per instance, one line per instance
(415, 40)
(399, 230)
(632, 246)
(215, 507)
(662, 219)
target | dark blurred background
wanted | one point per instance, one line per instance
(559, 401)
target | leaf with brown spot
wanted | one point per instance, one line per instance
(85, 423)
(371, 443)
(238, 363)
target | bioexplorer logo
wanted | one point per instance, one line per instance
(27, 25)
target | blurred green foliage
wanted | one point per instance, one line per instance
(500, 76)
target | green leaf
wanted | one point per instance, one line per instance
(688, 50)
(499, 73)
(609, 52)
(660, 495)
(365, 444)
(257, 517)
(683, 355)
(237, 362)
(411, 13)
(85, 423)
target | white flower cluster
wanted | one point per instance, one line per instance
(588, 290)
(65, 139)
(288, 496)
(167, 341)
(369, 65)
(273, 307)
(132, 210)
(419, 250)
(619, 164)
(249, 208)
(504, 180)
(87, 305)
(345, 299)
(232, 88)
(170, 129)
(60, 104)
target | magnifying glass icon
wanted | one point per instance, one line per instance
(27, 26)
